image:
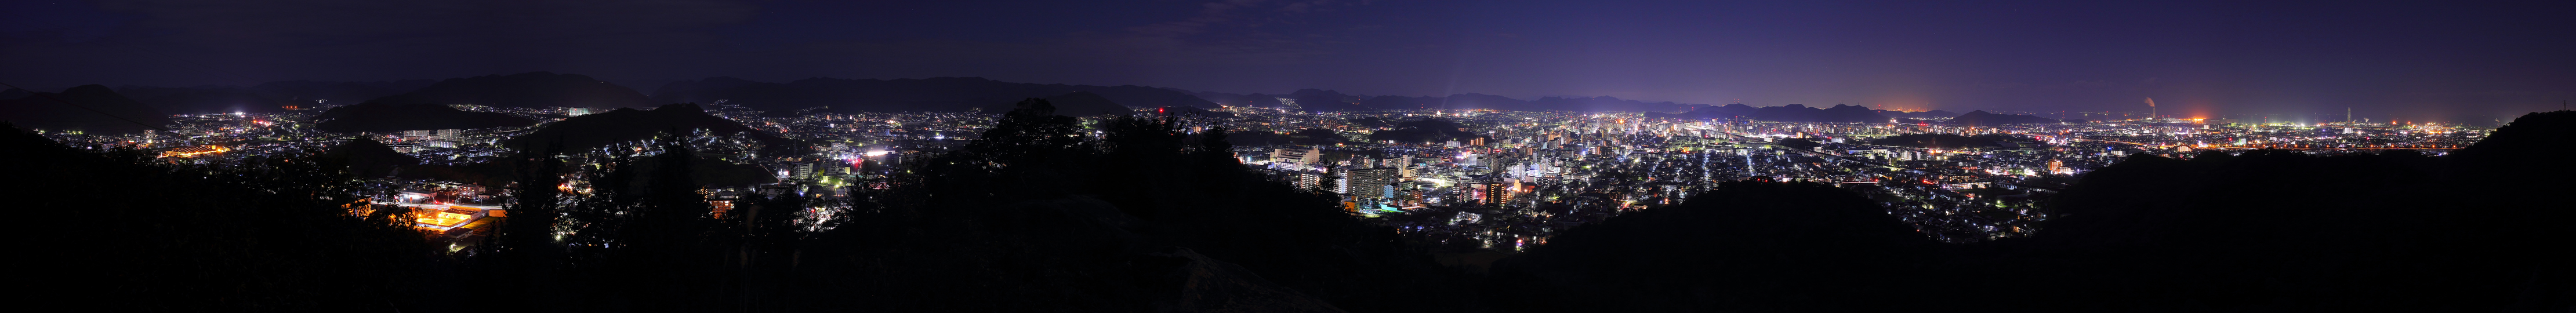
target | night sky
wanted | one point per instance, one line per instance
(2423, 60)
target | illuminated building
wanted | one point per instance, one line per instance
(446, 219)
(720, 207)
(1965, 182)
(1309, 180)
(1497, 193)
(190, 152)
(1298, 159)
(1368, 182)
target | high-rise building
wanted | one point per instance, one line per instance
(2057, 167)
(1367, 182)
(1498, 193)
(1309, 180)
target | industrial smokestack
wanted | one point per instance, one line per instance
(2151, 107)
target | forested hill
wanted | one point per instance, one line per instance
(375, 117)
(115, 114)
(631, 125)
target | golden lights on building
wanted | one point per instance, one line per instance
(190, 152)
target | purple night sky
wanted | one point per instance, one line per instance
(2425, 60)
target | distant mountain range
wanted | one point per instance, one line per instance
(378, 118)
(266, 97)
(545, 89)
(524, 90)
(36, 111)
(929, 94)
(1982, 118)
(1923, 114)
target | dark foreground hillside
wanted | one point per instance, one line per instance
(116, 231)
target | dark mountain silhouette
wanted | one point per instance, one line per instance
(523, 90)
(631, 125)
(1982, 118)
(929, 94)
(1787, 113)
(368, 158)
(1400, 103)
(1917, 115)
(380, 118)
(1745, 246)
(1318, 100)
(2534, 145)
(270, 234)
(267, 97)
(1256, 100)
(35, 111)
(1079, 103)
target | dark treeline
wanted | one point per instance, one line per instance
(1038, 217)
(118, 231)
(115, 114)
